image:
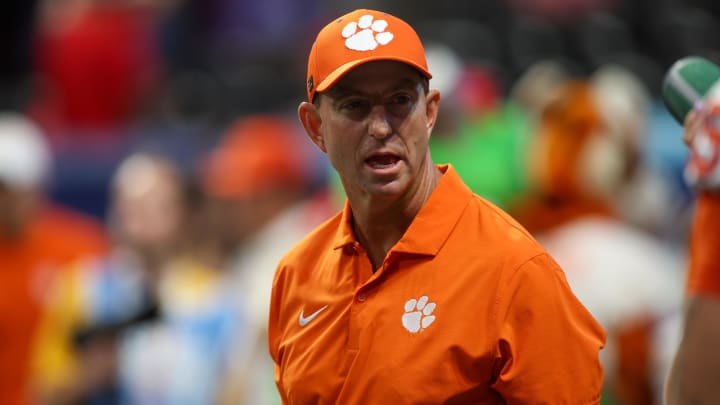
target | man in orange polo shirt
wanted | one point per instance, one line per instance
(696, 371)
(419, 291)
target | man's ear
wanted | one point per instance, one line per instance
(432, 106)
(310, 119)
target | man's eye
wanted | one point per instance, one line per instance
(402, 99)
(352, 105)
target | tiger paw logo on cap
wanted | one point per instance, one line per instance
(371, 35)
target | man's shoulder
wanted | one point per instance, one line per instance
(500, 225)
(495, 235)
(316, 243)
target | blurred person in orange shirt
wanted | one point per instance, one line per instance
(418, 291)
(580, 164)
(267, 190)
(37, 239)
(696, 370)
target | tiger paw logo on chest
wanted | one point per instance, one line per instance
(366, 34)
(418, 314)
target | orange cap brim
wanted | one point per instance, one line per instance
(338, 73)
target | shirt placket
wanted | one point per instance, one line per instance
(366, 282)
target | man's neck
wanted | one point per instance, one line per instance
(380, 223)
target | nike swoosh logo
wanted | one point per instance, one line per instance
(306, 320)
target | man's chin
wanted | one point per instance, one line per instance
(387, 189)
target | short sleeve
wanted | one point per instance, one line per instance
(704, 272)
(548, 345)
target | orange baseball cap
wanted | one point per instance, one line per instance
(258, 153)
(358, 37)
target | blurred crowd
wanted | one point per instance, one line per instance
(152, 173)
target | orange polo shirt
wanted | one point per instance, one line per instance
(29, 266)
(466, 308)
(704, 273)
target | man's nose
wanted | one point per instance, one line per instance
(379, 126)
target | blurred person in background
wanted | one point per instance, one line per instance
(209, 345)
(37, 239)
(579, 165)
(95, 64)
(267, 190)
(696, 370)
(186, 354)
(100, 298)
(643, 196)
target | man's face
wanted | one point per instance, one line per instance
(375, 124)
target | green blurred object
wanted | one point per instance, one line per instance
(607, 398)
(489, 153)
(686, 82)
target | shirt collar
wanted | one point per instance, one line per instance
(432, 224)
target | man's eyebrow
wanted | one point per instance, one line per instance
(407, 82)
(339, 91)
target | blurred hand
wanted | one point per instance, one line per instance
(693, 121)
(702, 136)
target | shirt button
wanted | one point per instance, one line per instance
(361, 297)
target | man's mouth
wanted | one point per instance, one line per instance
(382, 161)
